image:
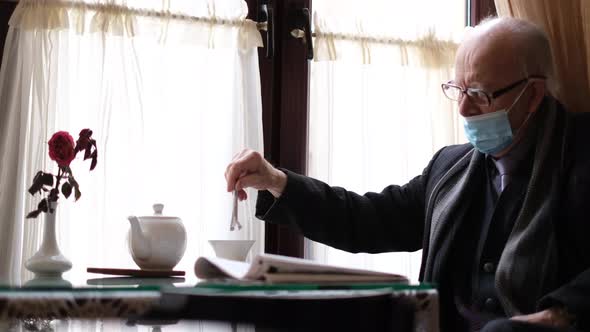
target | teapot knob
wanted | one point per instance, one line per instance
(158, 209)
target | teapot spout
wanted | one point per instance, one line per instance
(139, 243)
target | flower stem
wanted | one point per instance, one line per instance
(59, 175)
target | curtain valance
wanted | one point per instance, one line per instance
(209, 25)
(394, 31)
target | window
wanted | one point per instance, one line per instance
(170, 100)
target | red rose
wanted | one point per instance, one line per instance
(61, 148)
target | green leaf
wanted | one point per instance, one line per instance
(74, 183)
(93, 163)
(38, 175)
(47, 179)
(37, 183)
(33, 214)
(77, 193)
(66, 189)
(87, 151)
(43, 206)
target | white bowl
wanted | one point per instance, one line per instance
(232, 249)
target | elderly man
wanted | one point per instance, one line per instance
(502, 221)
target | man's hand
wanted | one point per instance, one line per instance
(250, 169)
(555, 317)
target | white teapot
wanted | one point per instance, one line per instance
(156, 242)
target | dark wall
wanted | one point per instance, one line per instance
(6, 9)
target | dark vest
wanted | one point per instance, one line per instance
(487, 226)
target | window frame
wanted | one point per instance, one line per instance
(477, 10)
(285, 99)
(6, 10)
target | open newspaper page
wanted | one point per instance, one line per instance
(283, 269)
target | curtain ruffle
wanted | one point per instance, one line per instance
(426, 51)
(119, 20)
(371, 34)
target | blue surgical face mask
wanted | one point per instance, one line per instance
(490, 133)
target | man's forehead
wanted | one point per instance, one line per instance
(483, 61)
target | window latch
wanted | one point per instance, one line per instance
(302, 29)
(266, 17)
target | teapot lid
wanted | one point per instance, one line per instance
(158, 208)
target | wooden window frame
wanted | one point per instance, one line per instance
(480, 9)
(6, 10)
(285, 97)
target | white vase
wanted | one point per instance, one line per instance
(48, 260)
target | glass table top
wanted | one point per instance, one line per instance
(64, 303)
(79, 279)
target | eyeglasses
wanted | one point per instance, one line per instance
(479, 96)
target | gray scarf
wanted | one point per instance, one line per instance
(527, 267)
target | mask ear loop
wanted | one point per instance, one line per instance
(530, 115)
(510, 108)
(529, 80)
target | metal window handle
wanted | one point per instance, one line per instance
(298, 33)
(302, 29)
(266, 15)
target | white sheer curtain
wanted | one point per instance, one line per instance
(171, 90)
(377, 114)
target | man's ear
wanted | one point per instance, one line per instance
(538, 91)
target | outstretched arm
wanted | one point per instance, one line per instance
(392, 220)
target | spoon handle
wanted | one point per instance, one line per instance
(234, 215)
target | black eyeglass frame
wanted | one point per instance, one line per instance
(490, 97)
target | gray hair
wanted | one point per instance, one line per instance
(531, 43)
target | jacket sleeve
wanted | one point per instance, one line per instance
(574, 228)
(574, 296)
(392, 220)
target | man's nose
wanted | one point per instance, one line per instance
(467, 108)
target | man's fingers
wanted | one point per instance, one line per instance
(249, 181)
(233, 173)
(242, 195)
(231, 176)
(237, 155)
(234, 161)
(247, 162)
(236, 172)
